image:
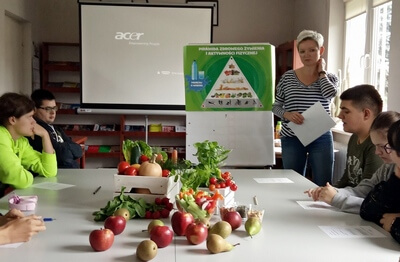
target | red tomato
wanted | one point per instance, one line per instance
(130, 171)
(233, 187)
(211, 187)
(143, 158)
(165, 172)
(122, 166)
(213, 180)
(228, 182)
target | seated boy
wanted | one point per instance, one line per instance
(67, 151)
(358, 108)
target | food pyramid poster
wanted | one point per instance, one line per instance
(229, 77)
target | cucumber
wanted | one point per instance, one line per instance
(135, 154)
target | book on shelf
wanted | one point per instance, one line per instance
(68, 84)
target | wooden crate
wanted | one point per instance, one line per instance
(158, 186)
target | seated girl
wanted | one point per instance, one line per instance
(382, 205)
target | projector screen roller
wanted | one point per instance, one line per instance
(132, 55)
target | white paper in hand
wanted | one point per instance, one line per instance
(316, 122)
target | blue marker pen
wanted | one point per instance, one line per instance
(48, 219)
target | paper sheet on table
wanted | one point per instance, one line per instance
(13, 245)
(316, 205)
(316, 122)
(351, 232)
(52, 185)
(272, 180)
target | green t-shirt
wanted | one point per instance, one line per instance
(361, 162)
(18, 157)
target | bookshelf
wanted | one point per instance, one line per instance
(60, 73)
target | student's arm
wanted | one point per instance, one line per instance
(44, 164)
(21, 229)
(349, 199)
(12, 171)
(71, 146)
(46, 142)
(395, 229)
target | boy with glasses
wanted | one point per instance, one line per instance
(67, 151)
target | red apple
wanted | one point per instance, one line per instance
(233, 218)
(196, 233)
(122, 166)
(101, 239)
(116, 224)
(161, 235)
(179, 221)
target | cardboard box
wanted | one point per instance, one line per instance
(158, 186)
(180, 128)
(168, 128)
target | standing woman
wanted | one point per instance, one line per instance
(17, 157)
(298, 90)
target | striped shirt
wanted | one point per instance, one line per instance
(293, 95)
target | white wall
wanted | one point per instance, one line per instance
(394, 58)
(273, 21)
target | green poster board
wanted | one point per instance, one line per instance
(229, 77)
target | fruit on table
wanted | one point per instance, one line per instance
(137, 167)
(130, 171)
(221, 228)
(161, 235)
(179, 221)
(217, 244)
(123, 212)
(253, 226)
(146, 250)
(153, 223)
(116, 224)
(196, 233)
(101, 239)
(233, 218)
(150, 168)
(122, 166)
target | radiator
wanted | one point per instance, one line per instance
(340, 161)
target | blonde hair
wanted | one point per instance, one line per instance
(310, 35)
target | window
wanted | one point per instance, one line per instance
(367, 44)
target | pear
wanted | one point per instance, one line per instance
(252, 226)
(221, 228)
(146, 250)
(153, 223)
(216, 244)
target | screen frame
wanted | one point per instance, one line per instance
(152, 108)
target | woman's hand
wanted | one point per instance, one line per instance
(294, 117)
(388, 219)
(321, 65)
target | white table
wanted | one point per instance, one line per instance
(290, 233)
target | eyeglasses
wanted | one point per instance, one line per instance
(49, 109)
(387, 148)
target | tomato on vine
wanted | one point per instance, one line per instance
(233, 187)
(211, 187)
(213, 180)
